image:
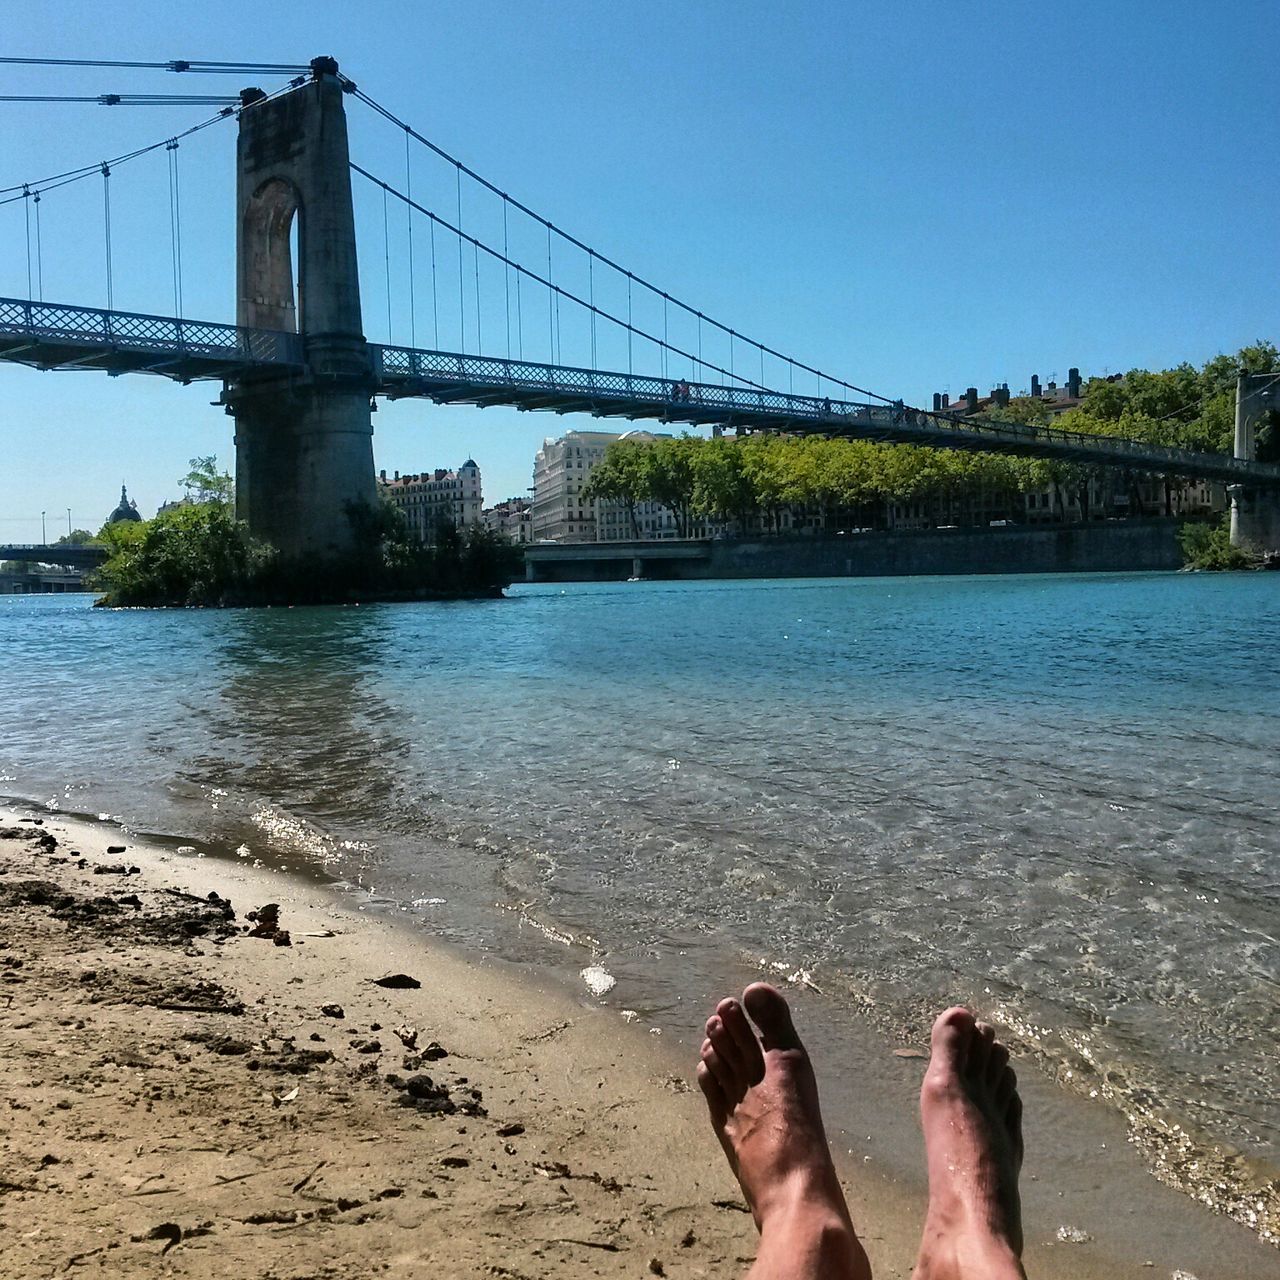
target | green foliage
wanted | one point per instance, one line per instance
(188, 555)
(76, 538)
(205, 483)
(1208, 546)
(202, 555)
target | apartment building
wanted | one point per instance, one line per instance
(512, 518)
(430, 499)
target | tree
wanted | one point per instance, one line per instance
(671, 478)
(76, 538)
(622, 475)
(205, 483)
(721, 487)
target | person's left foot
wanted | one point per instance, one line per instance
(763, 1099)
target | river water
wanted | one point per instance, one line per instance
(1052, 797)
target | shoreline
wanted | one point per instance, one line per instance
(615, 1166)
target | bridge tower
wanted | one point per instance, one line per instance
(304, 443)
(1255, 514)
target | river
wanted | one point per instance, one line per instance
(1054, 797)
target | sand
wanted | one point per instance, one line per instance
(183, 1098)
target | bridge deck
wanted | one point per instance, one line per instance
(70, 555)
(56, 336)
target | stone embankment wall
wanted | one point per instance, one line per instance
(1096, 547)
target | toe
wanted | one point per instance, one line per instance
(751, 1060)
(997, 1061)
(950, 1037)
(727, 1051)
(979, 1051)
(714, 1095)
(715, 1064)
(770, 1012)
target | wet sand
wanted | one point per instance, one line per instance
(186, 1099)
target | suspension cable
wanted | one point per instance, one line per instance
(386, 262)
(56, 180)
(387, 114)
(39, 253)
(179, 64)
(475, 259)
(556, 289)
(408, 186)
(551, 305)
(591, 297)
(175, 226)
(26, 214)
(506, 277)
(435, 301)
(462, 306)
(106, 224)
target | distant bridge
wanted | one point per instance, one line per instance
(57, 336)
(70, 555)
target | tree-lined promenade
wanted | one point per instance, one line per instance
(752, 481)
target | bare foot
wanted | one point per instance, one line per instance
(763, 1100)
(972, 1118)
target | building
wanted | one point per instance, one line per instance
(1056, 399)
(434, 498)
(561, 514)
(512, 518)
(126, 510)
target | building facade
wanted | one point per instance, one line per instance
(512, 518)
(560, 513)
(431, 499)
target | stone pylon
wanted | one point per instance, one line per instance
(1255, 514)
(304, 443)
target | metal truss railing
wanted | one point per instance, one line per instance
(407, 369)
(201, 348)
(57, 323)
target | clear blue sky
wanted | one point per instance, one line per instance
(916, 196)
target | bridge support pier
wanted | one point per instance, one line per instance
(304, 448)
(1255, 513)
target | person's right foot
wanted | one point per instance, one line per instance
(972, 1119)
(763, 1100)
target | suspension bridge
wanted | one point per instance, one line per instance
(301, 379)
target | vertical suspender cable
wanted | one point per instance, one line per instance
(26, 214)
(435, 300)
(591, 297)
(699, 376)
(551, 303)
(475, 255)
(175, 225)
(732, 375)
(664, 335)
(106, 225)
(762, 366)
(506, 272)
(519, 321)
(386, 262)
(630, 331)
(39, 252)
(462, 306)
(408, 189)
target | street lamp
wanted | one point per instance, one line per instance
(68, 522)
(44, 537)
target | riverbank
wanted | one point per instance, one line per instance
(186, 1099)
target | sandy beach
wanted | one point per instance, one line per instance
(196, 1087)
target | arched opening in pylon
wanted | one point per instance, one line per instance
(273, 232)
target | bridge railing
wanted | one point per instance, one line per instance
(683, 400)
(58, 323)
